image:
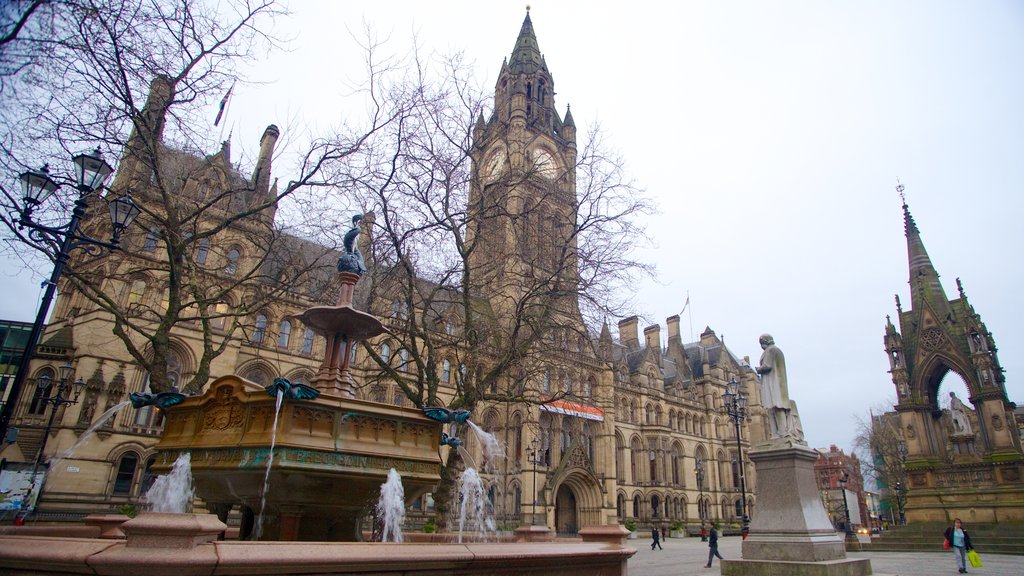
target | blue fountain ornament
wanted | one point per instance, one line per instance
(161, 400)
(291, 391)
(452, 441)
(446, 416)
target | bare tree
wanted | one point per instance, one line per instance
(480, 299)
(883, 452)
(78, 76)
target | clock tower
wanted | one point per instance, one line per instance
(522, 199)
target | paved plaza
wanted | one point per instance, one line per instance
(684, 556)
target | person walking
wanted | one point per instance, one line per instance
(960, 542)
(712, 544)
(656, 538)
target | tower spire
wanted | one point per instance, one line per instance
(924, 280)
(526, 56)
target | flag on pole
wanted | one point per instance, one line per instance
(685, 304)
(223, 104)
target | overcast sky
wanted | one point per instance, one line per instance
(771, 136)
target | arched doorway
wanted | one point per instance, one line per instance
(566, 518)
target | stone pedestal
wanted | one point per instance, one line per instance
(790, 532)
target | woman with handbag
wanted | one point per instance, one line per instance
(960, 542)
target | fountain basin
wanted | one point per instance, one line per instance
(330, 458)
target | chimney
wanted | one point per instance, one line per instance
(673, 327)
(652, 337)
(267, 143)
(628, 334)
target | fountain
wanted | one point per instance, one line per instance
(330, 451)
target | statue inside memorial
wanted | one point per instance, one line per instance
(783, 419)
(958, 413)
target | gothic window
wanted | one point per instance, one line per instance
(517, 499)
(403, 356)
(125, 474)
(446, 371)
(378, 393)
(620, 506)
(149, 244)
(202, 251)
(657, 414)
(307, 341)
(135, 293)
(385, 353)
(566, 436)
(38, 405)
(260, 330)
(232, 264)
(544, 423)
(515, 429)
(148, 476)
(649, 414)
(636, 506)
(547, 381)
(588, 387)
(284, 334)
(219, 317)
(675, 465)
(399, 397)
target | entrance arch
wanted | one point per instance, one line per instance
(566, 511)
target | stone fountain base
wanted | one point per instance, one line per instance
(330, 457)
(185, 544)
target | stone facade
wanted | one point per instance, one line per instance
(641, 420)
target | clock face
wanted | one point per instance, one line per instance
(544, 163)
(494, 165)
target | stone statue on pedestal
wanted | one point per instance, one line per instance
(783, 419)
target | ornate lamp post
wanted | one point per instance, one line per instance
(91, 171)
(846, 507)
(61, 397)
(699, 470)
(736, 408)
(533, 457)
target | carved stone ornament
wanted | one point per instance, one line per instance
(910, 431)
(932, 338)
(997, 422)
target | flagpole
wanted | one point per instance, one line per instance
(691, 314)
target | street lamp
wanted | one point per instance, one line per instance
(61, 397)
(533, 457)
(91, 171)
(736, 408)
(699, 470)
(846, 507)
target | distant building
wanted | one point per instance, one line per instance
(834, 466)
(13, 341)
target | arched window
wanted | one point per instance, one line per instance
(125, 474)
(202, 250)
(636, 506)
(649, 414)
(38, 406)
(149, 244)
(547, 381)
(385, 353)
(403, 355)
(136, 292)
(620, 506)
(284, 334)
(307, 341)
(219, 316)
(261, 329)
(232, 264)
(588, 387)
(446, 371)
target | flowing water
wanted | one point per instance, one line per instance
(257, 530)
(493, 452)
(475, 511)
(89, 432)
(391, 507)
(173, 492)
